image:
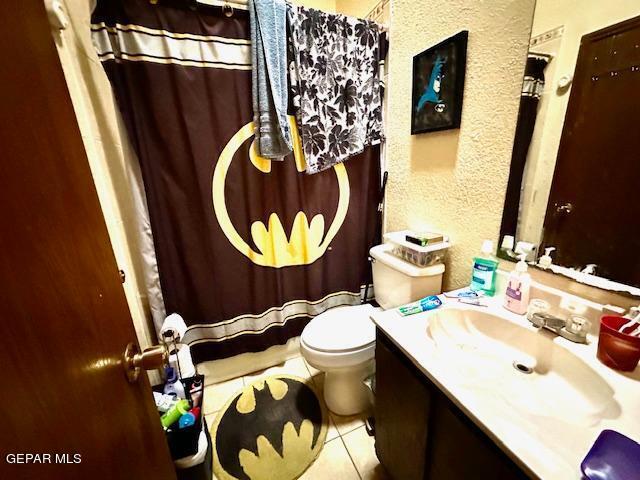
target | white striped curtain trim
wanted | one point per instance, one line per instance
(276, 316)
(137, 43)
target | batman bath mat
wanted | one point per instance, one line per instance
(273, 429)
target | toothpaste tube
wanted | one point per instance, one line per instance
(423, 305)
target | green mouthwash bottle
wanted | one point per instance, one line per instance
(485, 265)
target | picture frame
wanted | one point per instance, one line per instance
(438, 85)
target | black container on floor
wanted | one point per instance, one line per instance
(183, 442)
(202, 471)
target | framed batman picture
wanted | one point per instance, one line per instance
(438, 85)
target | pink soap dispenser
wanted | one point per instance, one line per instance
(516, 297)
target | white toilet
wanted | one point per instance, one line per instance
(341, 341)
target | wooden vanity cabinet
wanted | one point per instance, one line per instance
(421, 434)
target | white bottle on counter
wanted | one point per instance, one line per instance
(546, 261)
(516, 297)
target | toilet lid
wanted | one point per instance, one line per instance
(341, 329)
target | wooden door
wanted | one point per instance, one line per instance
(594, 205)
(64, 319)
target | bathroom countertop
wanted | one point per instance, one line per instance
(544, 447)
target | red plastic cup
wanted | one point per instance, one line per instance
(617, 350)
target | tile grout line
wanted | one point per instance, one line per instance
(357, 428)
(350, 457)
(304, 362)
(348, 431)
(363, 420)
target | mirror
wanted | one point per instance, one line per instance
(574, 182)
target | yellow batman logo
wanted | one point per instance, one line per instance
(307, 241)
(272, 429)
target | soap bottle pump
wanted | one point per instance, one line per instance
(516, 297)
(546, 261)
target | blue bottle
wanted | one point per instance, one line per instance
(173, 385)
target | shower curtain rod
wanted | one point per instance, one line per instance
(239, 4)
(242, 5)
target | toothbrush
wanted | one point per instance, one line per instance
(472, 301)
(631, 323)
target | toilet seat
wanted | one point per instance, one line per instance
(342, 329)
(339, 338)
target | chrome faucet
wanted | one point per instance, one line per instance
(574, 329)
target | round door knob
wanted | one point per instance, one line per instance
(150, 358)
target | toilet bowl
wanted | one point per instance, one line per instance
(341, 341)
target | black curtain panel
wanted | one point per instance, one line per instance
(248, 250)
(532, 88)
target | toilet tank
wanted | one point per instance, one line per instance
(396, 282)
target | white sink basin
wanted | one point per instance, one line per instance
(523, 365)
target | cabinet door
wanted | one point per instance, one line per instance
(421, 434)
(402, 410)
(459, 450)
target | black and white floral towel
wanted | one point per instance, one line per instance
(335, 65)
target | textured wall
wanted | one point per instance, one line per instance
(454, 181)
(355, 8)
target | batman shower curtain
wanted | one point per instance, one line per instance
(248, 250)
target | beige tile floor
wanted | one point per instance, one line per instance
(348, 452)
